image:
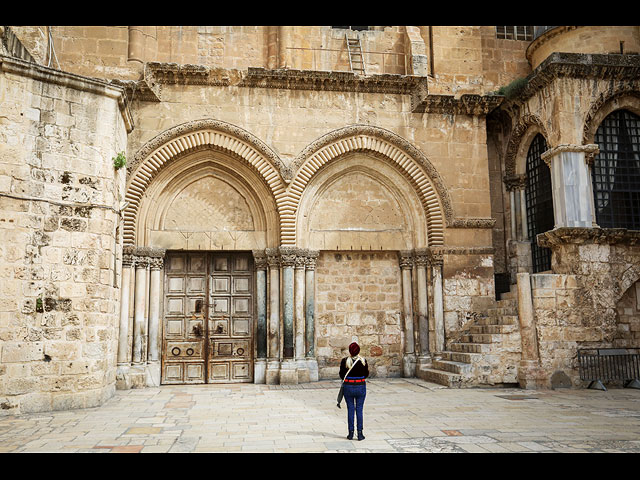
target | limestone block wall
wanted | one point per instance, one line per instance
(59, 229)
(359, 298)
(468, 289)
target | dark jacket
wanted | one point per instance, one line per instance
(358, 370)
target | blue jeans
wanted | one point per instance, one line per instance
(354, 395)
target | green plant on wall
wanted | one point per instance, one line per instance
(119, 161)
(513, 89)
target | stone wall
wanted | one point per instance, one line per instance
(359, 298)
(59, 228)
(589, 302)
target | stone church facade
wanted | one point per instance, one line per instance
(210, 204)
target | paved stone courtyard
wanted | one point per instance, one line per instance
(401, 415)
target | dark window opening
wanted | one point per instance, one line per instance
(539, 199)
(353, 28)
(616, 171)
(515, 33)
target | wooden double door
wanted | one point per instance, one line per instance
(208, 318)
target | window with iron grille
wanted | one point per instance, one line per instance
(539, 199)
(515, 33)
(616, 171)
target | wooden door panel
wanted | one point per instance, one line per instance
(217, 287)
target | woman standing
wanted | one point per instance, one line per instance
(355, 388)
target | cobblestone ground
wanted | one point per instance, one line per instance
(401, 415)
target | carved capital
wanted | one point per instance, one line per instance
(406, 259)
(260, 259)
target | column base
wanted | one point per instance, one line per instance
(312, 366)
(424, 361)
(272, 372)
(303, 371)
(134, 376)
(531, 376)
(409, 365)
(260, 370)
(289, 372)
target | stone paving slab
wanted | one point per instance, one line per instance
(401, 416)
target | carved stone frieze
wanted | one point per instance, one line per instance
(571, 235)
(473, 223)
(515, 183)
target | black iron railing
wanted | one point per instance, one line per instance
(602, 365)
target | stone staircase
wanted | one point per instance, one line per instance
(486, 354)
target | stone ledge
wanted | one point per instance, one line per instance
(578, 235)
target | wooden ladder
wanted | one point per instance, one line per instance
(356, 59)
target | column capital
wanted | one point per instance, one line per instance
(288, 256)
(514, 183)
(422, 256)
(260, 259)
(156, 263)
(406, 259)
(311, 259)
(589, 150)
(273, 257)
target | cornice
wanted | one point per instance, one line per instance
(578, 236)
(158, 74)
(616, 67)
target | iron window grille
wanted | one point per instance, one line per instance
(539, 203)
(616, 171)
(515, 33)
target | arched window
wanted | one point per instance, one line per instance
(539, 199)
(616, 171)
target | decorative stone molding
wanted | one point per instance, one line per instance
(330, 81)
(189, 137)
(288, 256)
(463, 251)
(467, 104)
(614, 97)
(473, 223)
(273, 257)
(605, 236)
(515, 141)
(381, 143)
(156, 263)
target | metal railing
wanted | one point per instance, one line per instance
(601, 365)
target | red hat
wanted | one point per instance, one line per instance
(354, 349)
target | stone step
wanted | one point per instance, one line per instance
(462, 357)
(439, 376)
(486, 338)
(492, 329)
(499, 320)
(459, 347)
(511, 295)
(451, 366)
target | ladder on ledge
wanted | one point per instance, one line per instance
(356, 59)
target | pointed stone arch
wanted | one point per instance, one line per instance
(383, 144)
(191, 137)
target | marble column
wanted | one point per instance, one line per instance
(438, 301)
(409, 357)
(571, 184)
(123, 335)
(272, 375)
(421, 259)
(529, 371)
(309, 317)
(260, 364)
(155, 299)
(299, 323)
(139, 310)
(288, 370)
(155, 288)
